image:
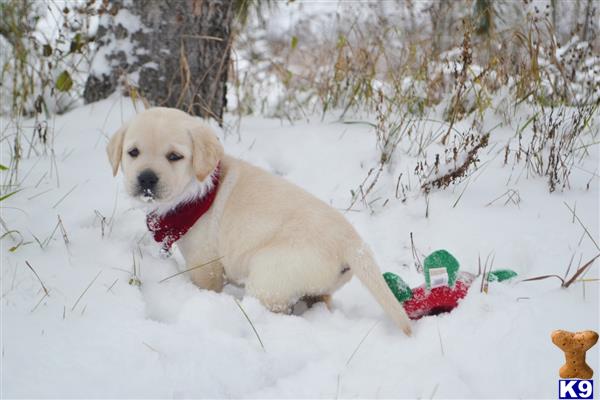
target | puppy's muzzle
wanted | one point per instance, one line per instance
(147, 182)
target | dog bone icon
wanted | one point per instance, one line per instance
(574, 345)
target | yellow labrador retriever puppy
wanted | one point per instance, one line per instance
(279, 241)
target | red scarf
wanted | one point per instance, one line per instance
(170, 227)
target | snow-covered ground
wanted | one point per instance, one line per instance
(96, 335)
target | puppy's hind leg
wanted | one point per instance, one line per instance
(280, 276)
(273, 279)
(262, 284)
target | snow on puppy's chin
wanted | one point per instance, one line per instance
(147, 196)
(191, 191)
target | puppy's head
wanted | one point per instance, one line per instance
(163, 154)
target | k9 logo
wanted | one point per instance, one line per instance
(575, 389)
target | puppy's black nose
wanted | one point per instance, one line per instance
(147, 179)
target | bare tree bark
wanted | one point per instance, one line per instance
(554, 5)
(588, 13)
(575, 22)
(175, 53)
(483, 15)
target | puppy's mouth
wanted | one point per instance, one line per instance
(147, 196)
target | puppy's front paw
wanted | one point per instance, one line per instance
(210, 277)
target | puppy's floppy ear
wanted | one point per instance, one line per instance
(207, 150)
(114, 149)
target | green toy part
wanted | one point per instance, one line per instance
(441, 269)
(501, 275)
(400, 289)
(438, 261)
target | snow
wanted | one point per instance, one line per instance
(127, 19)
(101, 65)
(173, 340)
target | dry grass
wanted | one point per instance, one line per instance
(397, 73)
(460, 171)
(565, 283)
(250, 322)
(85, 291)
(190, 269)
(46, 292)
(358, 346)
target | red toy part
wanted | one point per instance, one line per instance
(438, 300)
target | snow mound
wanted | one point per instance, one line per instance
(97, 335)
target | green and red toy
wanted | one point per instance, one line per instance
(444, 285)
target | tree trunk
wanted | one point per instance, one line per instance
(174, 53)
(554, 6)
(586, 24)
(483, 14)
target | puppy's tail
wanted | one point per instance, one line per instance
(366, 270)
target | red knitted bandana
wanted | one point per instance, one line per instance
(170, 227)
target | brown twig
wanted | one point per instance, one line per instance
(582, 225)
(415, 255)
(63, 231)
(361, 342)
(580, 271)
(250, 322)
(85, 291)
(65, 196)
(38, 277)
(538, 278)
(565, 283)
(39, 302)
(460, 171)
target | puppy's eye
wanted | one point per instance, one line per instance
(134, 152)
(174, 156)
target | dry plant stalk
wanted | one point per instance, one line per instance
(250, 322)
(190, 269)
(565, 283)
(460, 171)
(85, 291)
(38, 277)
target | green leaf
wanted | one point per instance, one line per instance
(21, 241)
(6, 196)
(76, 44)
(3, 167)
(64, 82)
(134, 281)
(47, 50)
(294, 42)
